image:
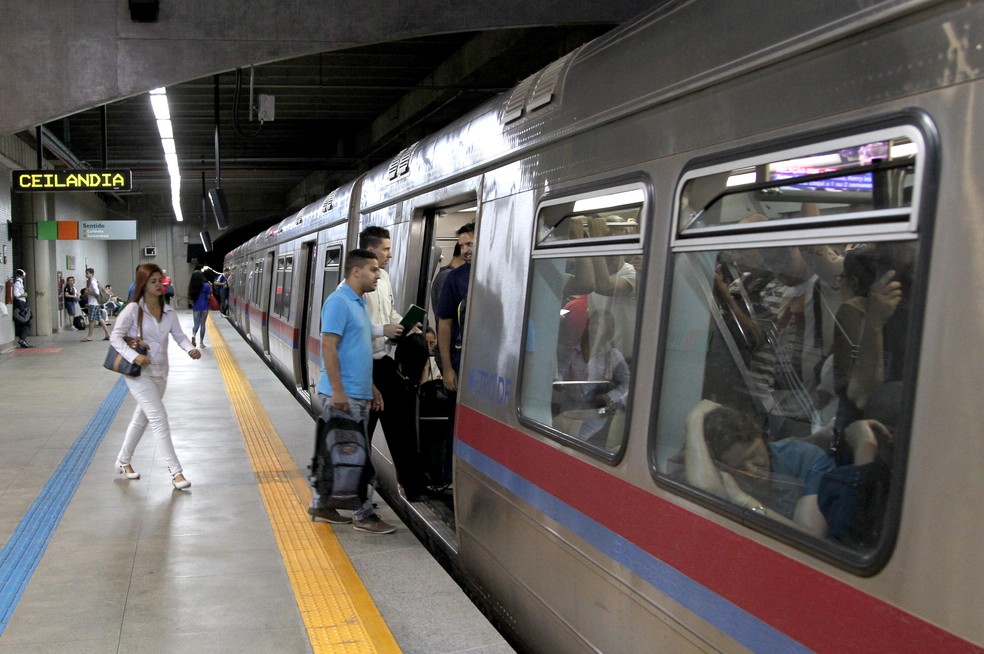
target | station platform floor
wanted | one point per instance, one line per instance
(95, 563)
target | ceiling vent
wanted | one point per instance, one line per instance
(328, 203)
(400, 165)
(537, 91)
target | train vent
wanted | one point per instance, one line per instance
(329, 201)
(516, 102)
(400, 165)
(545, 86)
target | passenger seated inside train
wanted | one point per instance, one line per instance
(792, 480)
(592, 381)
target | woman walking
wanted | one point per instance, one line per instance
(199, 291)
(151, 320)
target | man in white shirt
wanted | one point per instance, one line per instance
(22, 313)
(398, 416)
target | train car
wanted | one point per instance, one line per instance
(714, 392)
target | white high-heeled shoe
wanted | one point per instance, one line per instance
(182, 484)
(126, 469)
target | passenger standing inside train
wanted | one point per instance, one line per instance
(22, 313)
(94, 308)
(345, 385)
(398, 417)
(450, 330)
(150, 319)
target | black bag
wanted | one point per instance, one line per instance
(117, 363)
(22, 312)
(78, 322)
(411, 356)
(853, 499)
(341, 467)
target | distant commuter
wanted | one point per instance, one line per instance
(71, 297)
(22, 312)
(345, 386)
(199, 292)
(94, 309)
(149, 318)
(168, 287)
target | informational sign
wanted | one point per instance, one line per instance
(94, 230)
(58, 181)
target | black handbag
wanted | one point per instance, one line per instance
(117, 362)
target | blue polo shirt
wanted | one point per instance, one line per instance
(344, 314)
(448, 307)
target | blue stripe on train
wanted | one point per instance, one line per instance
(732, 620)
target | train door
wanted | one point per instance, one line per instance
(437, 229)
(249, 306)
(307, 259)
(265, 287)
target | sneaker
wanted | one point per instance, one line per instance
(193, 341)
(374, 525)
(328, 515)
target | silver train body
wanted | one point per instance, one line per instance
(837, 123)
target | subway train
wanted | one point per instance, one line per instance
(713, 395)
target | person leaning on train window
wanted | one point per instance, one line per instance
(726, 454)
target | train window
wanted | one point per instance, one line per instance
(332, 271)
(612, 216)
(577, 360)
(288, 285)
(781, 398)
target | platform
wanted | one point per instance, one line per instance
(95, 563)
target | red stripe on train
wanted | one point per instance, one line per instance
(816, 610)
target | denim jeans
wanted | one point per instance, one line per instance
(199, 324)
(148, 391)
(359, 412)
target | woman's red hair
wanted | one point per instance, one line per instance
(144, 271)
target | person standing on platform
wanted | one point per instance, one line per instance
(168, 287)
(345, 386)
(450, 331)
(71, 297)
(199, 292)
(150, 319)
(94, 308)
(22, 312)
(398, 418)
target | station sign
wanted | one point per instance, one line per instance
(87, 230)
(59, 181)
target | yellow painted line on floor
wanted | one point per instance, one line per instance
(338, 611)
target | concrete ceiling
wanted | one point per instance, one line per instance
(336, 114)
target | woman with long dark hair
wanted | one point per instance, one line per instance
(199, 292)
(151, 320)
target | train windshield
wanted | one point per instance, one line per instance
(790, 340)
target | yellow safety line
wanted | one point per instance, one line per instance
(337, 609)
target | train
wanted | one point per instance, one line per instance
(752, 210)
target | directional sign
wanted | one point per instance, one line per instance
(59, 181)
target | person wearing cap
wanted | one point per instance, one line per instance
(23, 327)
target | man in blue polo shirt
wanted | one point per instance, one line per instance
(345, 385)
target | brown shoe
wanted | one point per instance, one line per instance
(328, 515)
(373, 525)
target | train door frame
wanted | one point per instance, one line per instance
(306, 259)
(270, 260)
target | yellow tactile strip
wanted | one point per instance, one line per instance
(338, 611)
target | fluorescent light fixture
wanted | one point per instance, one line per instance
(741, 178)
(609, 201)
(158, 101)
(904, 150)
(469, 209)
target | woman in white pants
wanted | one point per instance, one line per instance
(159, 320)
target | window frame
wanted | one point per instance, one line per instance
(918, 228)
(606, 246)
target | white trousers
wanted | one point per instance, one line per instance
(148, 391)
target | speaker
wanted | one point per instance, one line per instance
(219, 207)
(144, 11)
(206, 240)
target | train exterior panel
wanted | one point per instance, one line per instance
(690, 197)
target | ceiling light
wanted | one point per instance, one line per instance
(158, 101)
